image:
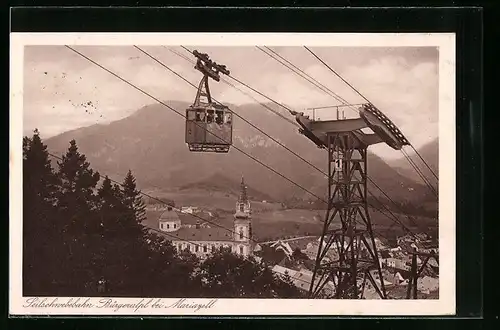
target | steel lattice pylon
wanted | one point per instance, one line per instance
(347, 256)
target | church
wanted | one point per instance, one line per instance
(202, 239)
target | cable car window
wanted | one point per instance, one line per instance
(210, 116)
(191, 115)
(219, 118)
(200, 116)
(208, 112)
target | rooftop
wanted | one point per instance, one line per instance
(384, 254)
(199, 234)
(169, 215)
(190, 219)
(301, 278)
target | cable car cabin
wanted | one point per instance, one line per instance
(209, 125)
(209, 128)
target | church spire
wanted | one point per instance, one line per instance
(243, 193)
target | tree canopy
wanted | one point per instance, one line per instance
(225, 274)
(83, 235)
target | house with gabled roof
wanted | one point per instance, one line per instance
(202, 239)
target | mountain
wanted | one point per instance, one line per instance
(430, 153)
(150, 142)
(221, 183)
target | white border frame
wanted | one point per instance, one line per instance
(445, 305)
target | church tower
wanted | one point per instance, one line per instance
(243, 223)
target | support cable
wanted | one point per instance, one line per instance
(321, 171)
(415, 167)
(359, 93)
(238, 89)
(339, 98)
(256, 91)
(299, 72)
(236, 114)
(178, 210)
(180, 114)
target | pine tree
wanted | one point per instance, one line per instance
(37, 169)
(132, 197)
(225, 274)
(76, 195)
(128, 260)
(77, 203)
(40, 223)
(111, 208)
(167, 273)
(76, 234)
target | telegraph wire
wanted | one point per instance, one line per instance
(140, 192)
(302, 74)
(154, 198)
(339, 98)
(346, 103)
(321, 171)
(256, 91)
(238, 89)
(172, 236)
(393, 202)
(180, 114)
(169, 205)
(178, 210)
(336, 96)
(324, 173)
(359, 93)
(334, 72)
(166, 233)
(423, 161)
(337, 106)
(419, 172)
(415, 167)
(172, 109)
(290, 109)
(351, 106)
(309, 78)
(394, 217)
(239, 116)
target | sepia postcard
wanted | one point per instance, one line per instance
(232, 174)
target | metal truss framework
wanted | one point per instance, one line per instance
(347, 256)
(411, 292)
(219, 148)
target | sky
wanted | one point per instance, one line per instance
(64, 91)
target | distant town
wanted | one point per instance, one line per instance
(295, 257)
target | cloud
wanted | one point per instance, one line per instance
(407, 94)
(58, 84)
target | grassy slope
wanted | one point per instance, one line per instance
(270, 221)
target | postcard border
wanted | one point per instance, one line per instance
(445, 305)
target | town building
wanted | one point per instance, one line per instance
(302, 278)
(203, 239)
(189, 209)
(283, 246)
